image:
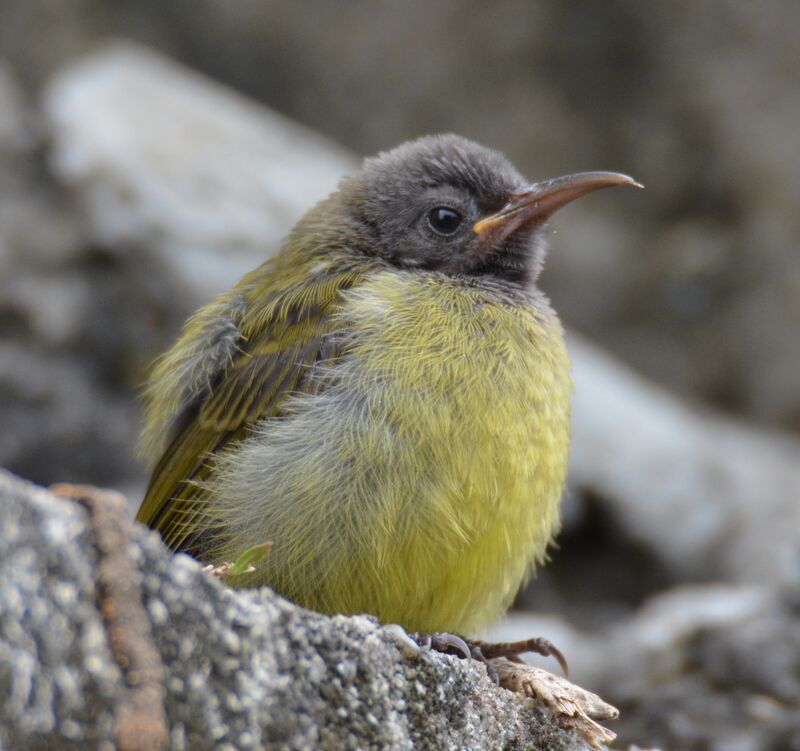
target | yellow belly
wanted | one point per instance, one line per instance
(430, 474)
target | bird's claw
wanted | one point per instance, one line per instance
(443, 642)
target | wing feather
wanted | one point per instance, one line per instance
(250, 381)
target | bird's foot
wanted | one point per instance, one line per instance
(485, 652)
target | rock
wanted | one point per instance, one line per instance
(65, 412)
(711, 667)
(231, 670)
(199, 178)
(711, 496)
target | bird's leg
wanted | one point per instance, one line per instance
(485, 652)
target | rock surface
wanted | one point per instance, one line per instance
(241, 670)
(194, 175)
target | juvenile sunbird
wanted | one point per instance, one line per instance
(386, 400)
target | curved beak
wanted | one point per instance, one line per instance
(538, 201)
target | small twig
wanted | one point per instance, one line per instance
(572, 706)
(141, 722)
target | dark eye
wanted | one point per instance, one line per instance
(444, 221)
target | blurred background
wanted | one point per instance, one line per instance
(132, 190)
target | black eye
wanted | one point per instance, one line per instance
(444, 221)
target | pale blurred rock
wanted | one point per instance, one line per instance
(711, 668)
(711, 496)
(183, 168)
(64, 413)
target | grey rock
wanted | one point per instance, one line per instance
(711, 668)
(244, 670)
(187, 171)
(709, 495)
(78, 323)
(57, 677)
(65, 414)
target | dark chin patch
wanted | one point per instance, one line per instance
(518, 260)
(508, 267)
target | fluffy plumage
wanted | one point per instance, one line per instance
(389, 407)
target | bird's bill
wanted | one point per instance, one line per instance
(538, 201)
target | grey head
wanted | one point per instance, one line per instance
(444, 203)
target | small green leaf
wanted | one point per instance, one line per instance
(246, 562)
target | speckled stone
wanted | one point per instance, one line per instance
(244, 670)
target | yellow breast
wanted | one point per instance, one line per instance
(475, 395)
(423, 482)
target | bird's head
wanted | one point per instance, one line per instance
(447, 204)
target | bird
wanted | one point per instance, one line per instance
(386, 400)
